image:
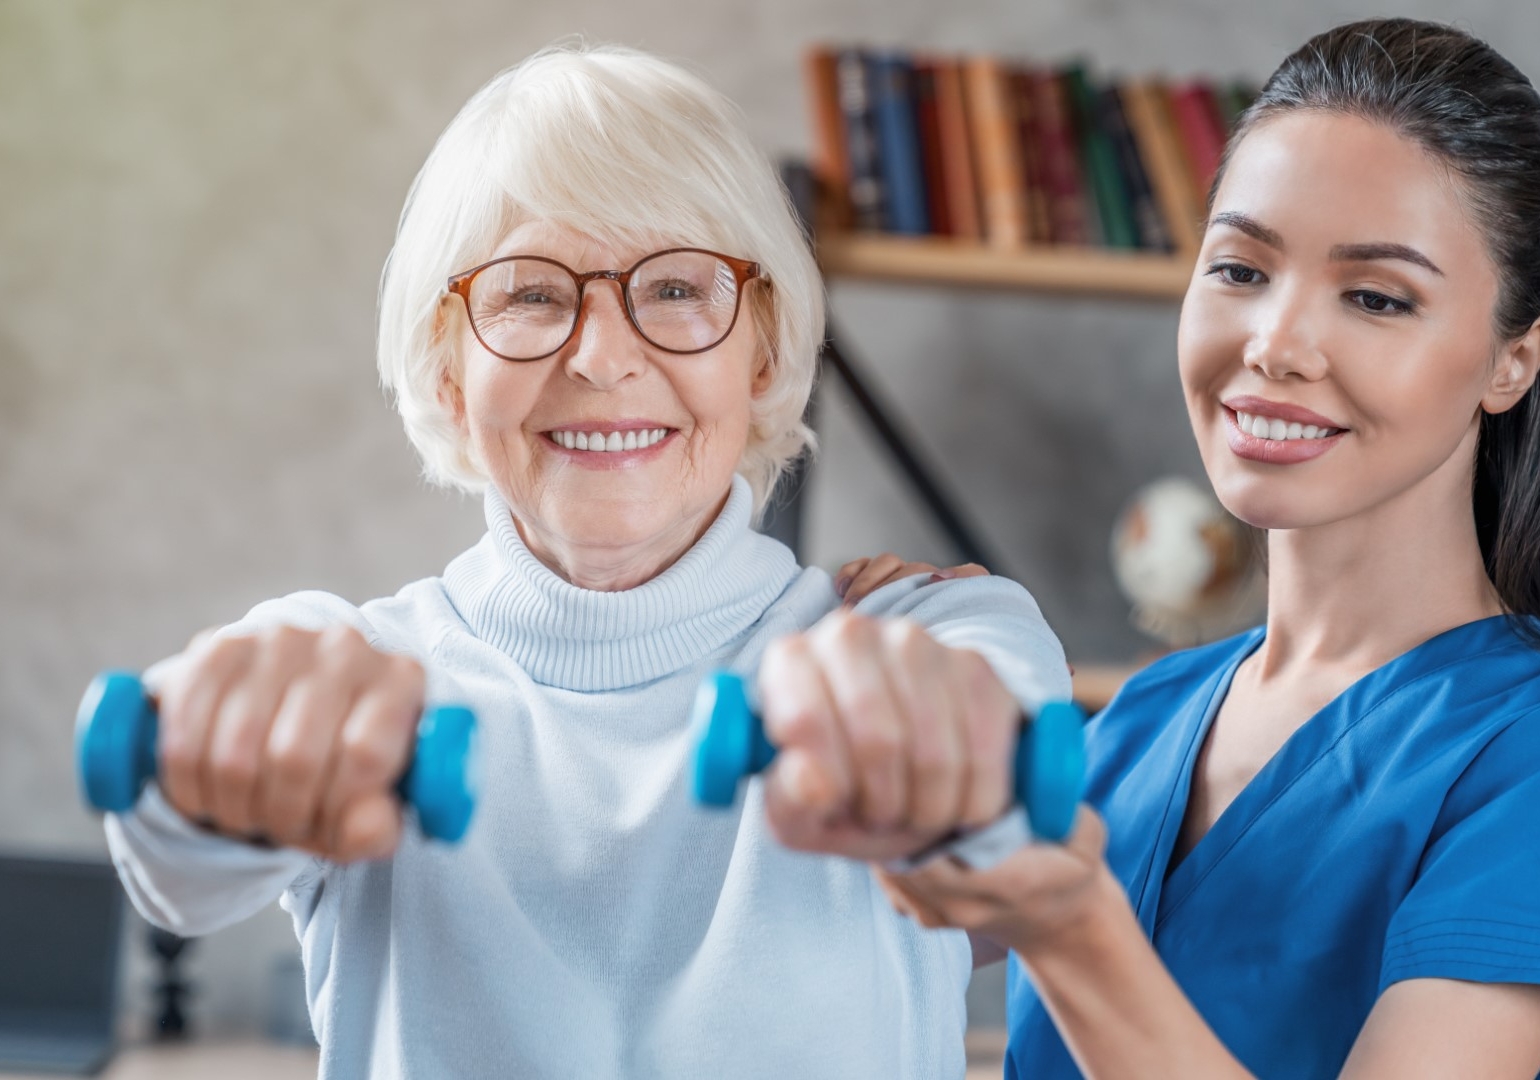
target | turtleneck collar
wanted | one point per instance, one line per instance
(578, 639)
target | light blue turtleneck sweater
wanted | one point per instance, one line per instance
(594, 922)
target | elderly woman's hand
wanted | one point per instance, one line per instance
(1036, 893)
(859, 578)
(290, 736)
(888, 739)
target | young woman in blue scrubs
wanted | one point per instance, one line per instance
(1314, 847)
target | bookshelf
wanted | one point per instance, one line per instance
(945, 261)
(982, 172)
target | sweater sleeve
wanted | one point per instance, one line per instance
(191, 881)
(995, 617)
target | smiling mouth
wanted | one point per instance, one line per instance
(1275, 430)
(609, 442)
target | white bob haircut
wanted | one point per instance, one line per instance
(632, 151)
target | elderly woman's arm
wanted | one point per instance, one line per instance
(248, 718)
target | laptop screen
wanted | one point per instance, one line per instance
(60, 927)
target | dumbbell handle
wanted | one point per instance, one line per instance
(1050, 754)
(115, 752)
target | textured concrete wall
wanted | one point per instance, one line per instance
(197, 198)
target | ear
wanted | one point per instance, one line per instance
(764, 373)
(450, 392)
(452, 397)
(1518, 362)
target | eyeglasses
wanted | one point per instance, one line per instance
(525, 307)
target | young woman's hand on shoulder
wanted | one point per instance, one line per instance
(859, 578)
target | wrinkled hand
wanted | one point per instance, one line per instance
(293, 737)
(859, 578)
(1036, 893)
(888, 739)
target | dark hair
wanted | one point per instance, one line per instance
(1476, 112)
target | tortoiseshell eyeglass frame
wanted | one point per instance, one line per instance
(743, 270)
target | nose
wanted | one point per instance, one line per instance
(604, 350)
(1283, 342)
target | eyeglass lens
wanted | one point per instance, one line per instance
(682, 301)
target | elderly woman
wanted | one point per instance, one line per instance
(599, 311)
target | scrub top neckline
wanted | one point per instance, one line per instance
(1306, 746)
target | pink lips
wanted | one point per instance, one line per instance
(1278, 410)
(1278, 451)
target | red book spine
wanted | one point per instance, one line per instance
(1062, 182)
(928, 122)
(1195, 113)
(957, 160)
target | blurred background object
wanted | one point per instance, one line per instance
(61, 928)
(171, 989)
(1193, 572)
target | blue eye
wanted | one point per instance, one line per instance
(673, 290)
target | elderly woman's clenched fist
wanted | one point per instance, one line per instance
(888, 739)
(290, 736)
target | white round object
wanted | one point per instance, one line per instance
(1190, 569)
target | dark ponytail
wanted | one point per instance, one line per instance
(1478, 114)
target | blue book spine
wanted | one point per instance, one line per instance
(898, 144)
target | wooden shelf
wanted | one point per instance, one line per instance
(939, 261)
(1097, 684)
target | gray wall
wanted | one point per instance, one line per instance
(197, 200)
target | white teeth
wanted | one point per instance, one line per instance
(1260, 427)
(609, 442)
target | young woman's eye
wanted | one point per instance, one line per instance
(1377, 303)
(1236, 273)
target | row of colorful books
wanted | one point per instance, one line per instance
(982, 149)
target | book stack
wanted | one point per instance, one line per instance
(1014, 156)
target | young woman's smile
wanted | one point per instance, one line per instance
(1277, 433)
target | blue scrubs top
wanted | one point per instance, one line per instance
(1393, 836)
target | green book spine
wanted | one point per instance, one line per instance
(1232, 102)
(1112, 200)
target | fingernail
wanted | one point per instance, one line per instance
(943, 575)
(841, 585)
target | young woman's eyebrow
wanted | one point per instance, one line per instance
(1340, 253)
(1374, 252)
(1248, 225)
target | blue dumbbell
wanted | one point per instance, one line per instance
(115, 734)
(1050, 755)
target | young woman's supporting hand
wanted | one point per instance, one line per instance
(1121, 1014)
